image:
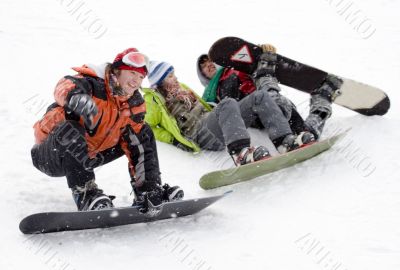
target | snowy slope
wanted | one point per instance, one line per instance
(340, 210)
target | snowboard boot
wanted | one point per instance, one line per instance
(291, 142)
(250, 154)
(315, 124)
(174, 193)
(157, 196)
(286, 143)
(305, 138)
(329, 88)
(90, 197)
(144, 199)
(321, 104)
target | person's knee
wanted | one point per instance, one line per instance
(44, 160)
(228, 102)
(68, 133)
(260, 97)
(227, 106)
(35, 156)
(69, 138)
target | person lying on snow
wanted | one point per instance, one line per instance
(180, 117)
(98, 117)
(222, 82)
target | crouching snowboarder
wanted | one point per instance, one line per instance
(98, 117)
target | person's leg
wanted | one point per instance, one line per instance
(296, 122)
(107, 156)
(141, 150)
(64, 153)
(274, 117)
(225, 124)
(260, 105)
(209, 135)
(321, 104)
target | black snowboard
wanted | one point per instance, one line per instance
(70, 221)
(241, 55)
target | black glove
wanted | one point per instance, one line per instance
(266, 65)
(229, 88)
(182, 146)
(83, 105)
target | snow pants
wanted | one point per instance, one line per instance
(64, 153)
(227, 124)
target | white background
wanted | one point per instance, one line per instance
(336, 211)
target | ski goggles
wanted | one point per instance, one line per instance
(133, 61)
(136, 59)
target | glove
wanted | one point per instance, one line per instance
(266, 66)
(182, 146)
(83, 105)
(268, 48)
(230, 88)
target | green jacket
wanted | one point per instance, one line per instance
(163, 124)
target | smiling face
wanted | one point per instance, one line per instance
(170, 82)
(129, 81)
(208, 68)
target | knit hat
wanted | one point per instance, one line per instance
(131, 59)
(158, 71)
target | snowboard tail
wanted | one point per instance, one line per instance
(70, 221)
(249, 171)
(241, 55)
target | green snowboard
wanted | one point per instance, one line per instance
(247, 172)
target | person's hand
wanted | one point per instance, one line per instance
(268, 48)
(83, 105)
(182, 146)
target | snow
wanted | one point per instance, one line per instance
(339, 210)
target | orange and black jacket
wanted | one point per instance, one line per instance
(119, 122)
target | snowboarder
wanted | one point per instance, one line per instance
(98, 117)
(180, 117)
(224, 82)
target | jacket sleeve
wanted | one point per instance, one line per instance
(141, 149)
(138, 142)
(70, 85)
(202, 101)
(153, 118)
(162, 135)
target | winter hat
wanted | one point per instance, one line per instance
(158, 71)
(203, 79)
(136, 61)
